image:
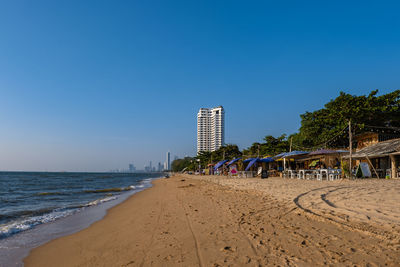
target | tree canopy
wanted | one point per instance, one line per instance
(271, 146)
(180, 164)
(326, 126)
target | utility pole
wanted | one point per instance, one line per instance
(351, 149)
(290, 148)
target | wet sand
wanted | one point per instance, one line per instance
(214, 221)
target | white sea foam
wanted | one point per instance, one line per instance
(20, 225)
(25, 224)
(99, 201)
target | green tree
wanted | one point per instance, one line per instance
(326, 127)
(272, 146)
(204, 157)
(180, 164)
(226, 152)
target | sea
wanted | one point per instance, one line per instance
(36, 207)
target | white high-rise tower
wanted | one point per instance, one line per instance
(210, 129)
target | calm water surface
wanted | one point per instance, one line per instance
(28, 199)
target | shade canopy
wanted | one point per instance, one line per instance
(291, 154)
(254, 160)
(280, 155)
(248, 160)
(266, 160)
(232, 161)
(219, 164)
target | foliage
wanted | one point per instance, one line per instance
(180, 164)
(272, 146)
(321, 126)
(224, 152)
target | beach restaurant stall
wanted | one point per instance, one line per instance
(383, 158)
(255, 166)
(323, 158)
(289, 160)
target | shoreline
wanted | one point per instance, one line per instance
(17, 247)
(186, 220)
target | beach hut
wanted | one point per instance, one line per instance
(289, 158)
(324, 158)
(382, 157)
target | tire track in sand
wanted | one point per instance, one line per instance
(361, 227)
(196, 242)
(156, 227)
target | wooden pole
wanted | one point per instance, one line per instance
(370, 163)
(351, 149)
(290, 148)
(394, 166)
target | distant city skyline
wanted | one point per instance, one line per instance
(95, 86)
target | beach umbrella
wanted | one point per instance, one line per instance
(266, 160)
(251, 163)
(247, 160)
(219, 164)
(232, 161)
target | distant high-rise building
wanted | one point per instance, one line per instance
(168, 161)
(132, 167)
(210, 129)
(159, 167)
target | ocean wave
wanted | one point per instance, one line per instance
(28, 223)
(49, 215)
(25, 220)
(99, 201)
(106, 190)
(103, 190)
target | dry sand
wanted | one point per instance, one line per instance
(214, 221)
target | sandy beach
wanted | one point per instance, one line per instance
(216, 221)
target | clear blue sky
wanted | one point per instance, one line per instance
(95, 85)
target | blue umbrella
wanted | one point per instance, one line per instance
(232, 161)
(219, 164)
(248, 160)
(266, 160)
(251, 163)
